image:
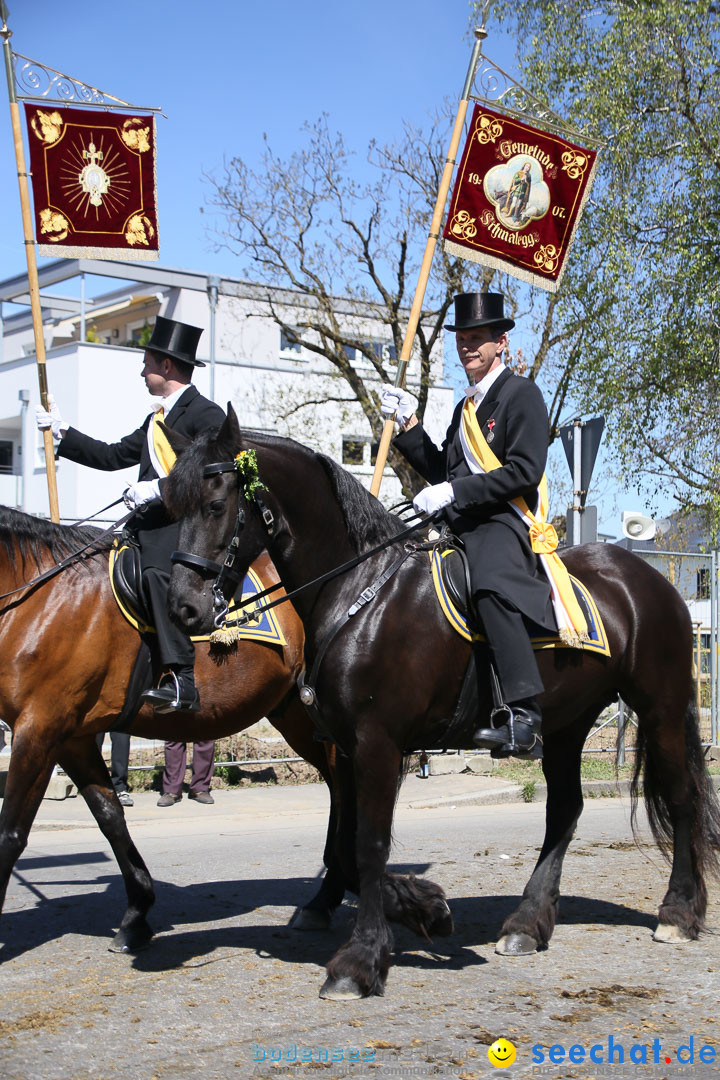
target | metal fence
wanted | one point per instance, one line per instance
(696, 575)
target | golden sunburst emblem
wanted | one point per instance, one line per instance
(95, 175)
(93, 179)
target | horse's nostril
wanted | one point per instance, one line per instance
(188, 614)
(184, 614)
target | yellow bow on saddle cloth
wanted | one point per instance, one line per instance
(572, 625)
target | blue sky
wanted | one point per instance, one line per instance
(226, 73)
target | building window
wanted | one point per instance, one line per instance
(139, 335)
(702, 584)
(353, 451)
(6, 456)
(705, 651)
(136, 335)
(287, 345)
(375, 348)
(383, 351)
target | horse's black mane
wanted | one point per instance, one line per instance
(182, 490)
(367, 521)
(36, 538)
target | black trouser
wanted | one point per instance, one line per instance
(119, 757)
(157, 542)
(510, 648)
(174, 647)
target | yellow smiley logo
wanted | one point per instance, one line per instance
(501, 1054)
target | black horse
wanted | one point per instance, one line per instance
(391, 675)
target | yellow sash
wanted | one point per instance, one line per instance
(163, 450)
(543, 538)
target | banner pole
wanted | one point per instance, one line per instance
(433, 236)
(33, 282)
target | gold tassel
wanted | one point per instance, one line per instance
(226, 635)
(570, 637)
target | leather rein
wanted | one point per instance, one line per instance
(227, 572)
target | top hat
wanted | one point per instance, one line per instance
(175, 339)
(481, 309)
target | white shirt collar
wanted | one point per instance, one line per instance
(480, 389)
(171, 401)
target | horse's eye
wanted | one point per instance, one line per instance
(217, 507)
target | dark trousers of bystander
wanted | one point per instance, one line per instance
(119, 758)
(203, 765)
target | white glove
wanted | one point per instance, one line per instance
(143, 492)
(393, 399)
(432, 499)
(51, 418)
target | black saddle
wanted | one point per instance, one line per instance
(456, 579)
(127, 582)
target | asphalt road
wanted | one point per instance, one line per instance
(227, 990)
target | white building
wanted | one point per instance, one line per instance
(93, 369)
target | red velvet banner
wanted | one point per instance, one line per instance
(93, 177)
(518, 197)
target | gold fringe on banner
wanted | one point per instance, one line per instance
(462, 252)
(119, 254)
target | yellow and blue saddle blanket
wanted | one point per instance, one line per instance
(125, 580)
(451, 596)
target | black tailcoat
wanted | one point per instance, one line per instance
(191, 414)
(495, 538)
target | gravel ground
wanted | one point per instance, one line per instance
(228, 990)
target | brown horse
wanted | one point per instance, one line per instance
(386, 668)
(67, 654)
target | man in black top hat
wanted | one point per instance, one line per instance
(167, 370)
(508, 586)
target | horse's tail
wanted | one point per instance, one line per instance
(702, 798)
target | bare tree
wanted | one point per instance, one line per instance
(349, 249)
(347, 237)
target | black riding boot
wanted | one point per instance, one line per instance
(176, 693)
(517, 735)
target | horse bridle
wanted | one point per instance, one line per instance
(226, 571)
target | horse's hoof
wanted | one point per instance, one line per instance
(516, 945)
(669, 934)
(309, 919)
(125, 942)
(344, 989)
(443, 925)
